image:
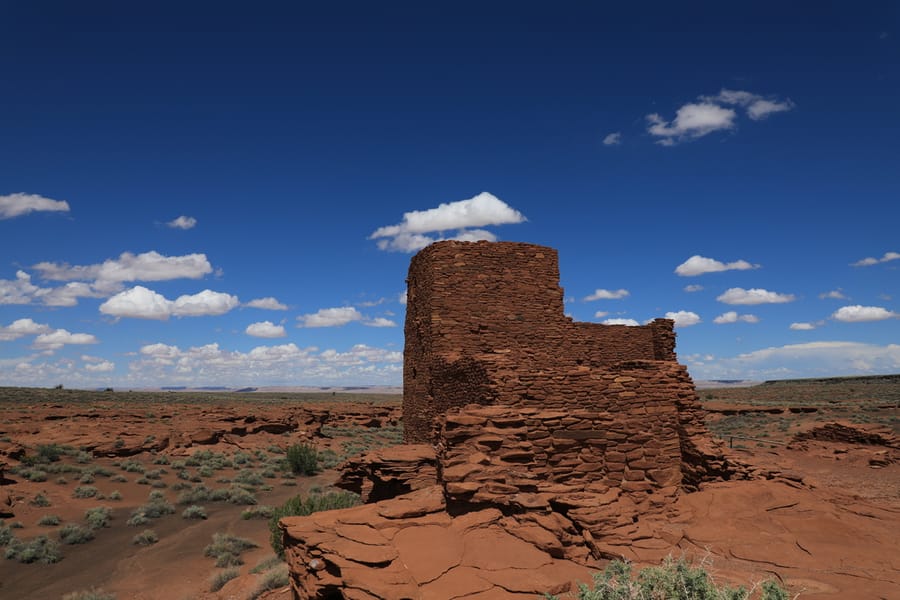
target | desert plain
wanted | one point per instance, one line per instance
(152, 495)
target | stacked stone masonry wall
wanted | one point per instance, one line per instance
(474, 306)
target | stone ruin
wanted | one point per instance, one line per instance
(522, 428)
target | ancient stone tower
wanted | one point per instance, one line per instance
(485, 326)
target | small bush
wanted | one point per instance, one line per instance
(86, 478)
(47, 453)
(266, 564)
(274, 579)
(227, 549)
(248, 477)
(673, 580)
(303, 459)
(6, 534)
(85, 491)
(40, 549)
(137, 519)
(36, 475)
(221, 578)
(119, 479)
(147, 537)
(161, 460)
(91, 594)
(257, 512)
(40, 500)
(115, 495)
(73, 533)
(49, 521)
(194, 512)
(132, 466)
(98, 517)
(297, 507)
(237, 495)
(83, 457)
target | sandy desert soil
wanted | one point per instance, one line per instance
(839, 499)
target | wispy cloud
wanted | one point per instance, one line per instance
(618, 321)
(16, 205)
(602, 294)
(143, 303)
(698, 265)
(712, 113)
(380, 322)
(868, 262)
(330, 317)
(613, 139)
(464, 216)
(182, 222)
(733, 317)
(837, 294)
(754, 296)
(803, 326)
(268, 303)
(693, 288)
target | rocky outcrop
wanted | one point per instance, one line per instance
(850, 434)
(389, 472)
(556, 444)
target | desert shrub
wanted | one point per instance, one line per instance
(73, 533)
(143, 481)
(241, 458)
(298, 507)
(303, 459)
(83, 457)
(98, 471)
(119, 479)
(137, 519)
(159, 485)
(40, 549)
(272, 580)
(147, 537)
(183, 474)
(673, 580)
(193, 495)
(49, 521)
(238, 495)
(115, 495)
(154, 473)
(91, 594)
(6, 534)
(40, 500)
(227, 549)
(47, 453)
(266, 564)
(132, 466)
(194, 512)
(221, 578)
(274, 449)
(17, 525)
(180, 485)
(35, 475)
(85, 491)
(161, 460)
(86, 478)
(205, 472)
(257, 512)
(61, 480)
(248, 477)
(98, 517)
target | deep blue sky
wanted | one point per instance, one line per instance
(290, 133)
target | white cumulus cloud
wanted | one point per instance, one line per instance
(22, 327)
(265, 329)
(802, 326)
(683, 318)
(602, 294)
(103, 366)
(182, 222)
(733, 317)
(754, 296)
(142, 303)
(267, 303)
(629, 322)
(60, 337)
(463, 216)
(861, 314)
(330, 317)
(148, 266)
(613, 139)
(380, 322)
(868, 262)
(698, 265)
(16, 205)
